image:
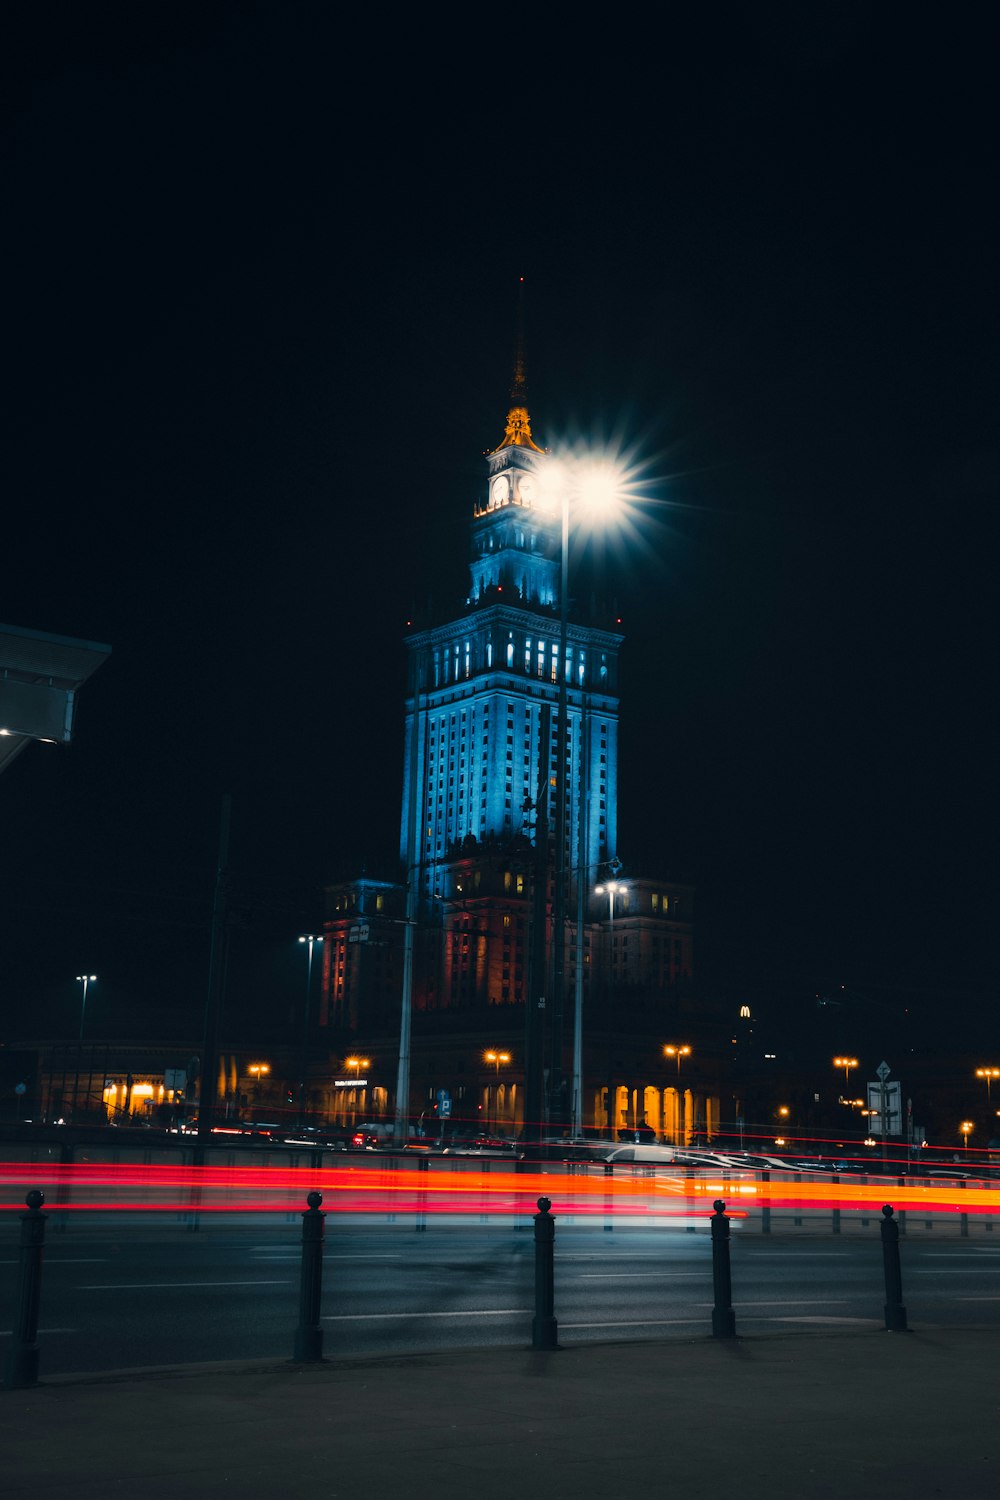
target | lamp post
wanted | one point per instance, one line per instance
(596, 486)
(84, 980)
(966, 1128)
(496, 1058)
(678, 1050)
(611, 889)
(354, 1065)
(257, 1071)
(989, 1074)
(847, 1063)
(310, 938)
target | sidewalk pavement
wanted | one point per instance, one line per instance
(814, 1416)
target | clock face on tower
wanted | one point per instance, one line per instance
(499, 491)
(527, 488)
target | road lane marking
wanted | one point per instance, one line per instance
(639, 1322)
(87, 1260)
(152, 1286)
(819, 1318)
(333, 1255)
(795, 1301)
(8, 1333)
(51, 1260)
(472, 1312)
(638, 1275)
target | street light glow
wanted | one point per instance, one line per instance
(85, 980)
(492, 1056)
(595, 487)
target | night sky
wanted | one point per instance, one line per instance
(261, 271)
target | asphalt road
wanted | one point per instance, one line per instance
(118, 1294)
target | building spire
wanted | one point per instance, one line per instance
(517, 433)
(519, 385)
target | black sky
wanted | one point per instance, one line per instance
(260, 267)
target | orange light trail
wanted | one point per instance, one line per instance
(114, 1187)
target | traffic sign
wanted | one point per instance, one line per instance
(882, 1071)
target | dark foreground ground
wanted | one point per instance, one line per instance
(909, 1415)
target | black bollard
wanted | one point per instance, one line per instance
(309, 1335)
(544, 1328)
(895, 1312)
(723, 1317)
(22, 1360)
(609, 1202)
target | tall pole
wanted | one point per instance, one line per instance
(401, 1124)
(611, 1012)
(556, 1102)
(216, 982)
(534, 1013)
(85, 980)
(309, 938)
(611, 888)
(582, 875)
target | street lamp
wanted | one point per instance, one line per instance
(496, 1058)
(85, 980)
(847, 1063)
(354, 1065)
(966, 1128)
(257, 1071)
(595, 486)
(311, 939)
(678, 1051)
(611, 889)
(989, 1074)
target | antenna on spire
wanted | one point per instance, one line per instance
(517, 433)
(519, 385)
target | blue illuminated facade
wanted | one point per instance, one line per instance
(480, 684)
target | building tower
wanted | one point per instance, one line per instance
(485, 689)
(515, 688)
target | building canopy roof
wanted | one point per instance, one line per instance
(40, 676)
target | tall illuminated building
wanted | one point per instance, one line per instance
(480, 776)
(483, 685)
